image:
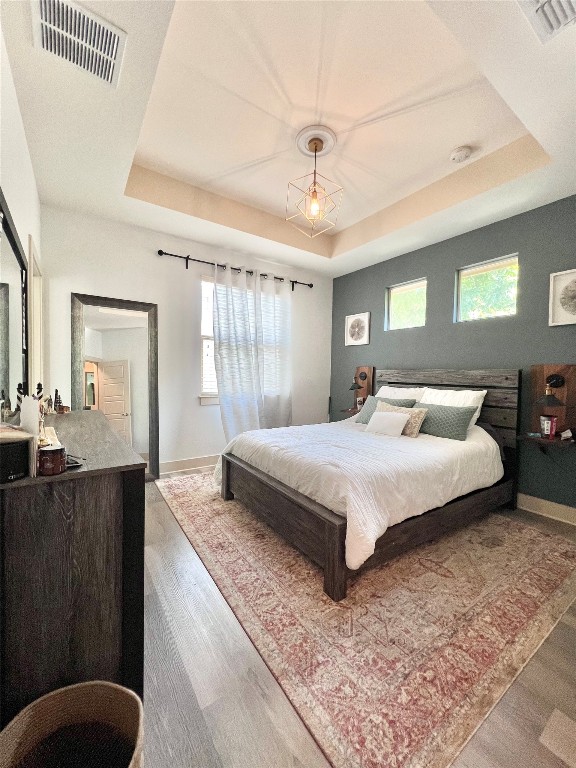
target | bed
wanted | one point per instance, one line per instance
(322, 533)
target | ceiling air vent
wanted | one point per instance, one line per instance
(79, 36)
(549, 17)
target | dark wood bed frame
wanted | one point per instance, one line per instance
(320, 534)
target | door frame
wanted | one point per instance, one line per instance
(78, 302)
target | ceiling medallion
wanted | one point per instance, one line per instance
(313, 201)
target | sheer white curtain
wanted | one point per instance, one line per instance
(252, 319)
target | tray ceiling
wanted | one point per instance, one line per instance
(236, 82)
(198, 139)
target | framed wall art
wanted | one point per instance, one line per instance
(357, 330)
(562, 309)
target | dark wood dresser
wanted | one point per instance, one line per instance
(72, 569)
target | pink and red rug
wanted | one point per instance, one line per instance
(402, 672)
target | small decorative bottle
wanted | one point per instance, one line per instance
(19, 396)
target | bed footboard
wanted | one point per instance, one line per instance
(321, 534)
(313, 529)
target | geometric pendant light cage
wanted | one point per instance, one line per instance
(313, 200)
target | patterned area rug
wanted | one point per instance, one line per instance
(401, 673)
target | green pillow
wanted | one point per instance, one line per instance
(369, 407)
(447, 420)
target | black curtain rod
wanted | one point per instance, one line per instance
(234, 269)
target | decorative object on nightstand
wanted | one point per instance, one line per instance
(553, 394)
(357, 330)
(562, 308)
(548, 426)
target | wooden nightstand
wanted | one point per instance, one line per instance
(544, 443)
(350, 411)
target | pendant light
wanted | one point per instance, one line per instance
(313, 201)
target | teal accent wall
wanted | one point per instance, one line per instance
(545, 240)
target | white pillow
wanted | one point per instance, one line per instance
(384, 423)
(455, 398)
(401, 393)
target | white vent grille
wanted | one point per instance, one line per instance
(549, 17)
(79, 36)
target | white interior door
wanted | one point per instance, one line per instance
(114, 396)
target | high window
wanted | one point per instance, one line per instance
(487, 290)
(406, 305)
(208, 371)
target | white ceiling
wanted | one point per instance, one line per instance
(212, 95)
(113, 320)
(237, 82)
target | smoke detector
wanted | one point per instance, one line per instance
(460, 154)
(79, 36)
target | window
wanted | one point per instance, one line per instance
(406, 305)
(487, 290)
(207, 369)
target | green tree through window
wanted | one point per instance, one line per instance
(488, 290)
(407, 305)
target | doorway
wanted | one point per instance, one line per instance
(108, 388)
(115, 368)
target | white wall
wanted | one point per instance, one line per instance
(18, 185)
(16, 173)
(105, 258)
(92, 344)
(132, 344)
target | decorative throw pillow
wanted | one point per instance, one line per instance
(390, 424)
(400, 393)
(457, 398)
(370, 406)
(415, 417)
(448, 421)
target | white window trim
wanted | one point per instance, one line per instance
(211, 397)
(210, 394)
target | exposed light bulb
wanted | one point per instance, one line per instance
(309, 203)
(314, 205)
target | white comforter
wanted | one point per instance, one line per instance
(373, 480)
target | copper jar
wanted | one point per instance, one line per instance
(51, 460)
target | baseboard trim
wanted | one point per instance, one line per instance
(183, 465)
(561, 512)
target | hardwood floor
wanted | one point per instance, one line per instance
(211, 702)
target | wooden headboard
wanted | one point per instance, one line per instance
(500, 407)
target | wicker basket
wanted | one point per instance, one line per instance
(94, 701)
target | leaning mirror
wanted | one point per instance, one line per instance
(13, 312)
(115, 368)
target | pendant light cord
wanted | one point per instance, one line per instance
(315, 150)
